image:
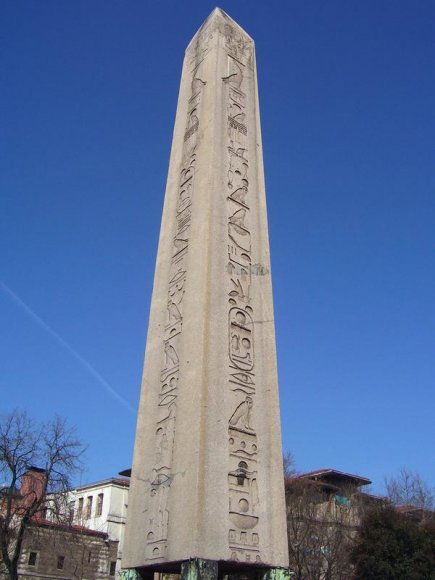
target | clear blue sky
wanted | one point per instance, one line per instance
(347, 94)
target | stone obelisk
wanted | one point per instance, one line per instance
(207, 478)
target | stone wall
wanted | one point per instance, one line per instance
(56, 552)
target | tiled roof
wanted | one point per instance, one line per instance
(69, 528)
(122, 481)
(324, 471)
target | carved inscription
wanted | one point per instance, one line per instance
(201, 45)
(241, 339)
(161, 476)
(238, 46)
(243, 537)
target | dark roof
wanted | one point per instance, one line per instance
(122, 481)
(416, 513)
(34, 468)
(313, 483)
(327, 473)
(372, 497)
(68, 528)
(126, 472)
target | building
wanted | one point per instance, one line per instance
(56, 551)
(53, 544)
(324, 511)
(102, 507)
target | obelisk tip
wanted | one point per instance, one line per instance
(218, 18)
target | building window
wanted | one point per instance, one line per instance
(71, 509)
(342, 500)
(99, 510)
(60, 562)
(88, 507)
(112, 568)
(80, 508)
(32, 558)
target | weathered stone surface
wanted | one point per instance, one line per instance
(207, 477)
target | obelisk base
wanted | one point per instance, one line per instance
(274, 574)
(198, 569)
(130, 574)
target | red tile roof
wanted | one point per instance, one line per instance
(69, 528)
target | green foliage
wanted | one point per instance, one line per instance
(391, 546)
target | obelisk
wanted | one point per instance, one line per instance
(207, 477)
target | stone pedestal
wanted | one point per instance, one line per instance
(199, 570)
(207, 479)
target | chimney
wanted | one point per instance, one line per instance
(32, 487)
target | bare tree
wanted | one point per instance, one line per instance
(321, 525)
(408, 488)
(35, 459)
(289, 464)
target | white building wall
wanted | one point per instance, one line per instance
(113, 514)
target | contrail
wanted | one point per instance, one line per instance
(108, 388)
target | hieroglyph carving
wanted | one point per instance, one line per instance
(238, 46)
(243, 537)
(158, 512)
